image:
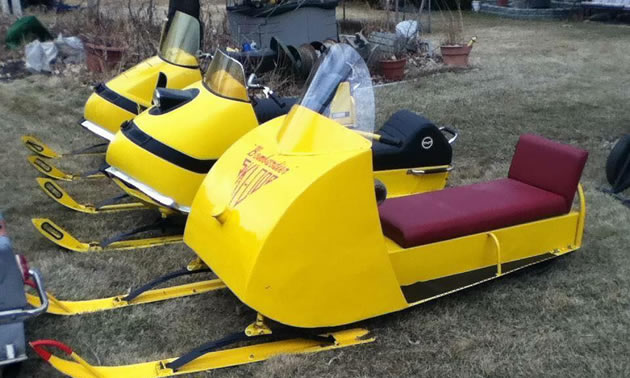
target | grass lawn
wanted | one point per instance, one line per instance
(570, 317)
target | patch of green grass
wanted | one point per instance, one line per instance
(570, 317)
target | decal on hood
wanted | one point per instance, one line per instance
(257, 171)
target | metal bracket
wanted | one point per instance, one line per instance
(30, 312)
(498, 248)
(196, 264)
(429, 171)
(258, 328)
(452, 131)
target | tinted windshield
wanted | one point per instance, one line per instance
(226, 78)
(340, 88)
(181, 40)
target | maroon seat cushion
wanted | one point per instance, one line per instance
(548, 165)
(454, 212)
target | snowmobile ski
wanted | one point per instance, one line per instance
(120, 242)
(40, 148)
(209, 356)
(57, 193)
(51, 171)
(142, 295)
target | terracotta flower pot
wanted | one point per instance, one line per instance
(393, 70)
(456, 55)
(100, 58)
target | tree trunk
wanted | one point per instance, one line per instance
(151, 9)
(5, 7)
(94, 7)
(429, 26)
(17, 7)
(422, 3)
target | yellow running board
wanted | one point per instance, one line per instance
(51, 171)
(59, 307)
(57, 193)
(63, 239)
(214, 360)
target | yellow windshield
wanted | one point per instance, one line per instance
(225, 77)
(181, 40)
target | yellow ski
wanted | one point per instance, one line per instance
(204, 361)
(60, 307)
(51, 171)
(63, 239)
(57, 193)
(40, 148)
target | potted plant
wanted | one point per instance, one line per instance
(393, 66)
(102, 54)
(103, 51)
(454, 51)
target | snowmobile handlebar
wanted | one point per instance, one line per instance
(23, 314)
(254, 83)
(203, 55)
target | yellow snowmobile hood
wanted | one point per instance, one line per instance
(264, 221)
(168, 155)
(126, 95)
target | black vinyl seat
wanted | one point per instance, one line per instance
(267, 109)
(423, 144)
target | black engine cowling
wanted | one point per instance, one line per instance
(423, 144)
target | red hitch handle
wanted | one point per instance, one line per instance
(39, 348)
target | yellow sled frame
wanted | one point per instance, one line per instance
(543, 240)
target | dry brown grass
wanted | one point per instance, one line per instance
(571, 317)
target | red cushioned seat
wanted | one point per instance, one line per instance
(453, 212)
(543, 179)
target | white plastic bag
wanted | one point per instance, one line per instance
(71, 49)
(40, 55)
(407, 29)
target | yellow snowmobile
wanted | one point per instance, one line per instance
(396, 164)
(296, 232)
(163, 165)
(127, 95)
